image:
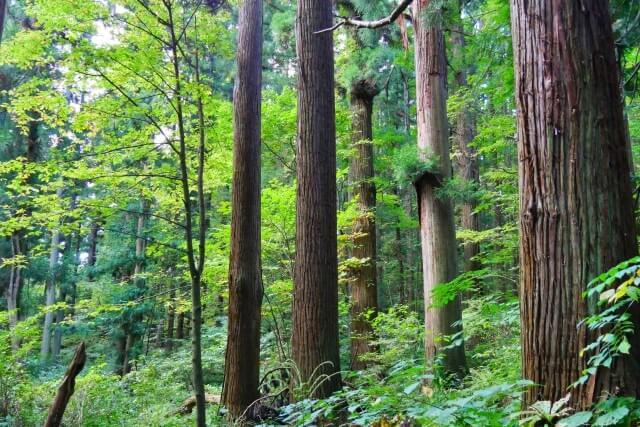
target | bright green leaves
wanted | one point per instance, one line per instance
(614, 291)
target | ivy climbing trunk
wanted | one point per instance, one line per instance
(242, 360)
(576, 210)
(437, 230)
(315, 298)
(363, 283)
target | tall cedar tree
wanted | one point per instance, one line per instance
(437, 229)
(315, 299)
(363, 286)
(576, 209)
(242, 362)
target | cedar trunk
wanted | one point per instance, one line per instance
(242, 361)
(315, 298)
(576, 211)
(437, 229)
(363, 284)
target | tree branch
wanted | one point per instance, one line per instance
(370, 24)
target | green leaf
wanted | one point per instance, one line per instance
(576, 420)
(624, 346)
(612, 418)
(411, 388)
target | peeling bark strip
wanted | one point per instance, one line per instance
(576, 212)
(66, 389)
(315, 299)
(437, 229)
(242, 361)
(364, 290)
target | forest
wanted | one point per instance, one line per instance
(386, 213)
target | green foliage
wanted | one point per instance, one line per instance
(610, 296)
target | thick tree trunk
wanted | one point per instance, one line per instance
(435, 213)
(242, 360)
(315, 300)
(576, 210)
(50, 292)
(363, 283)
(464, 134)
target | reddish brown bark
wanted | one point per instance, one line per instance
(363, 283)
(576, 212)
(437, 228)
(242, 361)
(315, 299)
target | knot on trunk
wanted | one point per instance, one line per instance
(365, 89)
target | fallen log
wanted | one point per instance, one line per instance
(66, 388)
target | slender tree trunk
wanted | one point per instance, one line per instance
(363, 284)
(4, 4)
(314, 340)
(195, 254)
(128, 344)
(411, 235)
(59, 318)
(399, 250)
(171, 316)
(14, 286)
(435, 213)
(465, 130)
(242, 360)
(50, 293)
(133, 330)
(72, 252)
(576, 208)
(93, 243)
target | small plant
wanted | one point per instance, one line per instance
(545, 413)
